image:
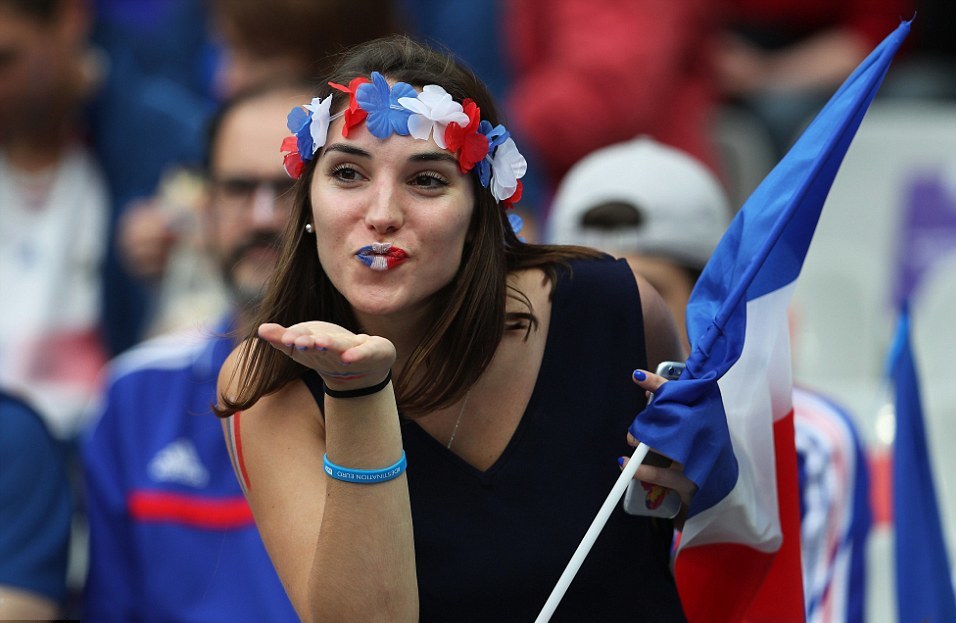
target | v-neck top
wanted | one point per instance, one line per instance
(491, 545)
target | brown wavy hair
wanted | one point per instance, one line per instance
(469, 313)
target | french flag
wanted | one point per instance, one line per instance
(924, 590)
(729, 418)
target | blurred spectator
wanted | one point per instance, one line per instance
(259, 43)
(834, 509)
(928, 71)
(471, 30)
(655, 206)
(171, 535)
(295, 39)
(147, 118)
(664, 212)
(35, 521)
(782, 59)
(53, 210)
(589, 74)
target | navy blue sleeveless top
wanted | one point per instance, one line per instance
(490, 546)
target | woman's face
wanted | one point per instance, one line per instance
(391, 218)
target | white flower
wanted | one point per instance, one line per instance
(507, 167)
(319, 128)
(432, 111)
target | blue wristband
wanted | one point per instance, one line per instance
(365, 476)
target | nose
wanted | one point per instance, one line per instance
(384, 214)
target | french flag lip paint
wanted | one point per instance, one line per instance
(381, 256)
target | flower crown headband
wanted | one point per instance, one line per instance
(400, 109)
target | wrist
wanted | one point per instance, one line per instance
(357, 392)
(365, 476)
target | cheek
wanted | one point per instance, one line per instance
(330, 210)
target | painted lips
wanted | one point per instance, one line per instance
(381, 256)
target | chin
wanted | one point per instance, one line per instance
(384, 302)
(375, 306)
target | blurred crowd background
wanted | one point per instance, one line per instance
(104, 107)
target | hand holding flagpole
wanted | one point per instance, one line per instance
(736, 319)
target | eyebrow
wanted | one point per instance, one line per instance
(434, 156)
(428, 156)
(348, 149)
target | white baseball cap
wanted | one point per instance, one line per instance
(683, 209)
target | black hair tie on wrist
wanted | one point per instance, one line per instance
(361, 391)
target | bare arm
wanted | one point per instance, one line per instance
(660, 330)
(819, 62)
(19, 604)
(663, 344)
(343, 551)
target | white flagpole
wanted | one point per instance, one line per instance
(627, 474)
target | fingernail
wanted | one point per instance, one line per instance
(639, 375)
(620, 461)
(302, 348)
(321, 347)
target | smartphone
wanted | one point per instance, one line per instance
(646, 499)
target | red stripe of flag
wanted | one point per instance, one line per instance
(781, 596)
(745, 584)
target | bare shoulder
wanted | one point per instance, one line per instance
(277, 421)
(533, 283)
(229, 372)
(276, 446)
(660, 328)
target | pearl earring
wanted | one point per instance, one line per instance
(308, 228)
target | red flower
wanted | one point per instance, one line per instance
(467, 142)
(292, 161)
(510, 202)
(353, 114)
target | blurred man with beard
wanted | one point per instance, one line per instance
(171, 536)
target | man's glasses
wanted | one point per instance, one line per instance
(241, 196)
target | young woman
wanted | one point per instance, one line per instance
(407, 325)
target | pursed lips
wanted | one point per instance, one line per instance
(381, 256)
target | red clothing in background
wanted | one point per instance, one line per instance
(588, 74)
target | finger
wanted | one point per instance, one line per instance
(332, 342)
(369, 349)
(666, 477)
(272, 333)
(657, 475)
(303, 342)
(647, 380)
(278, 337)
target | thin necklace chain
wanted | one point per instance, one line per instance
(461, 412)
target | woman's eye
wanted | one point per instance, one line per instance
(345, 173)
(429, 180)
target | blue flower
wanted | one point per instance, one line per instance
(298, 123)
(385, 114)
(496, 136)
(516, 223)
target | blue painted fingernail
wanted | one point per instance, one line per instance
(639, 375)
(321, 347)
(620, 461)
(302, 347)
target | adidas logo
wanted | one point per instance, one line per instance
(179, 462)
